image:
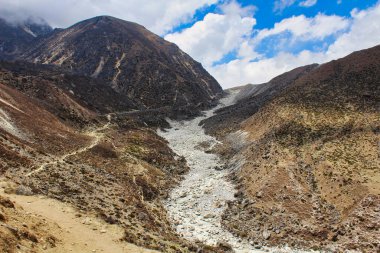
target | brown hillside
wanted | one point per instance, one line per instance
(311, 176)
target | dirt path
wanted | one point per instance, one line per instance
(97, 136)
(76, 232)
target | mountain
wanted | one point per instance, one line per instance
(90, 140)
(132, 60)
(61, 137)
(15, 38)
(308, 142)
(250, 99)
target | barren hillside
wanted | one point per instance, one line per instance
(311, 157)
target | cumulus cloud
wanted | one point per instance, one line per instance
(363, 31)
(304, 28)
(160, 16)
(216, 35)
(226, 34)
(243, 71)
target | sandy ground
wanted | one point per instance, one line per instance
(77, 232)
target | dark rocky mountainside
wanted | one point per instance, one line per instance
(16, 38)
(132, 60)
(311, 170)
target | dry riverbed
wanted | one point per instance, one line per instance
(197, 204)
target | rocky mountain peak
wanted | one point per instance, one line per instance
(131, 59)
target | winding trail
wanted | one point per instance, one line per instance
(196, 205)
(97, 136)
(77, 232)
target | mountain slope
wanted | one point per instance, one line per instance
(132, 60)
(251, 99)
(73, 138)
(16, 38)
(311, 169)
(71, 97)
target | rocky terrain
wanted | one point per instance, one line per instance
(196, 206)
(76, 138)
(131, 59)
(40, 224)
(15, 38)
(102, 122)
(305, 155)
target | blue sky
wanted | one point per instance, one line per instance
(282, 35)
(267, 16)
(237, 41)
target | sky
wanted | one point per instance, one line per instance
(237, 41)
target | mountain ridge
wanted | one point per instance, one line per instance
(132, 60)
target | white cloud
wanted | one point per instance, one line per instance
(160, 16)
(240, 72)
(363, 32)
(216, 35)
(280, 5)
(308, 3)
(304, 28)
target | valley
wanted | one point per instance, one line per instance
(113, 139)
(196, 206)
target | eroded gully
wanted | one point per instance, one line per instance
(196, 205)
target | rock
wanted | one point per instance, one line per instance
(225, 246)
(86, 221)
(5, 202)
(2, 216)
(266, 234)
(218, 168)
(259, 194)
(209, 216)
(183, 195)
(24, 190)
